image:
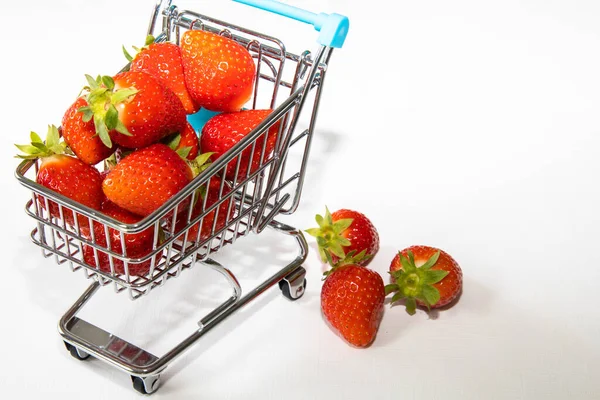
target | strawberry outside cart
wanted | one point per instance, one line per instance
(288, 83)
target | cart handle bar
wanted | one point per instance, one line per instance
(332, 28)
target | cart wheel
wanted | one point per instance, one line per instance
(146, 385)
(293, 286)
(77, 353)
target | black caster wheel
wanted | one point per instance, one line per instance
(77, 353)
(146, 385)
(293, 286)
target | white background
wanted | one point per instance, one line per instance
(467, 125)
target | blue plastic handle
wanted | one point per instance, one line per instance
(332, 28)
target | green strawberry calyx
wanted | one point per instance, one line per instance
(173, 143)
(329, 236)
(149, 40)
(102, 99)
(416, 283)
(349, 259)
(43, 148)
(197, 165)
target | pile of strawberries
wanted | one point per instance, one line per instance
(353, 295)
(125, 146)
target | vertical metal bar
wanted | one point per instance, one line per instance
(258, 65)
(311, 129)
(277, 166)
(277, 81)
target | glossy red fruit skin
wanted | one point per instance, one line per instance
(190, 139)
(145, 179)
(137, 245)
(352, 299)
(163, 61)
(152, 114)
(81, 136)
(74, 179)
(223, 131)
(361, 234)
(450, 287)
(219, 72)
(226, 211)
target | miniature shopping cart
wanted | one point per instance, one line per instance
(288, 83)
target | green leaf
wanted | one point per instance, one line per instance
(112, 117)
(127, 55)
(122, 129)
(411, 306)
(62, 148)
(28, 149)
(53, 136)
(342, 224)
(313, 231)
(337, 249)
(174, 141)
(392, 287)
(87, 117)
(411, 257)
(200, 163)
(397, 296)
(149, 40)
(184, 152)
(431, 294)
(35, 138)
(431, 262)
(87, 113)
(397, 274)
(203, 158)
(319, 219)
(343, 241)
(327, 212)
(108, 82)
(40, 146)
(123, 94)
(406, 264)
(111, 161)
(433, 276)
(102, 131)
(91, 81)
(326, 256)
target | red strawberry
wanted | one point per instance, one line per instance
(219, 72)
(186, 143)
(345, 233)
(223, 131)
(137, 245)
(63, 174)
(81, 136)
(226, 211)
(133, 109)
(163, 61)
(425, 276)
(145, 179)
(352, 302)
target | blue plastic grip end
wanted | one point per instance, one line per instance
(333, 27)
(200, 118)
